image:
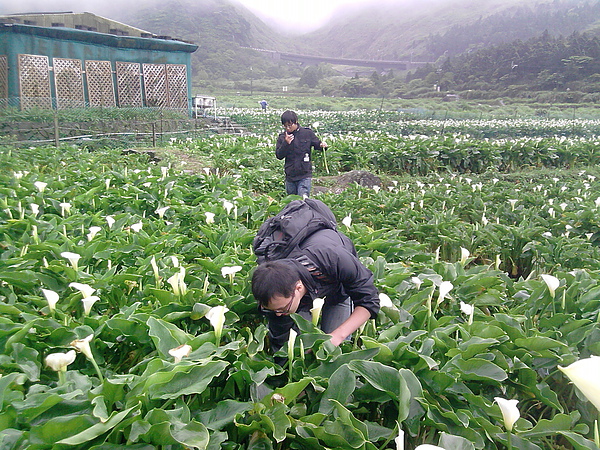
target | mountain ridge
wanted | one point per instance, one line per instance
(405, 31)
(417, 30)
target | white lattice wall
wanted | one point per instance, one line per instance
(129, 85)
(177, 86)
(164, 85)
(99, 77)
(3, 79)
(34, 82)
(155, 85)
(68, 82)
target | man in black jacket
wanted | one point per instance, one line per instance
(328, 268)
(295, 145)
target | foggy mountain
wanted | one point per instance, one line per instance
(428, 29)
(424, 30)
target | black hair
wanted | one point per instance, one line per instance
(273, 278)
(289, 116)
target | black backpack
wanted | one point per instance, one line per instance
(279, 236)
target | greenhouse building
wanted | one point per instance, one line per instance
(67, 60)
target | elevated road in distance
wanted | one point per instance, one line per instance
(379, 65)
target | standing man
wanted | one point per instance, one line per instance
(263, 105)
(328, 267)
(295, 145)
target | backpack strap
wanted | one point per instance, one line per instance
(314, 270)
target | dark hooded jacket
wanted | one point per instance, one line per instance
(298, 161)
(343, 276)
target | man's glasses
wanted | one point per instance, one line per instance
(283, 311)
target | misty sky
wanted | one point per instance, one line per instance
(296, 17)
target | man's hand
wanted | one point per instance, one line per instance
(358, 317)
(336, 340)
(289, 138)
(324, 145)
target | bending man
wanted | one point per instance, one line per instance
(328, 268)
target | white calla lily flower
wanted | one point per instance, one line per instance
(399, 440)
(110, 220)
(291, 344)
(161, 211)
(73, 259)
(228, 206)
(178, 353)
(510, 412)
(40, 186)
(347, 220)
(88, 302)
(34, 234)
(316, 310)
(552, 282)
(216, 317)
(60, 361)
(93, 232)
(51, 297)
(177, 282)
(468, 310)
(385, 300)
(137, 227)
(83, 346)
(464, 255)
(65, 208)
(585, 374)
(85, 289)
(210, 217)
(429, 447)
(445, 288)
(164, 170)
(155, 269)
(230, 270)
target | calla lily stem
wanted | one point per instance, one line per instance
(95, 364)
(389, 439)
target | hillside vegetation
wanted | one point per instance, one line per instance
(475, 49)
(430, 29)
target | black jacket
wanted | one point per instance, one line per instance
(334, 254)
(298, 163)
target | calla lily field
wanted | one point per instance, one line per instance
(127, 319)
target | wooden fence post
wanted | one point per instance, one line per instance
(56, 138)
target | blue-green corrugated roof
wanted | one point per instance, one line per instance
(93, 37)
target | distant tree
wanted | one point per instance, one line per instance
(310, 77)
(358, 87)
